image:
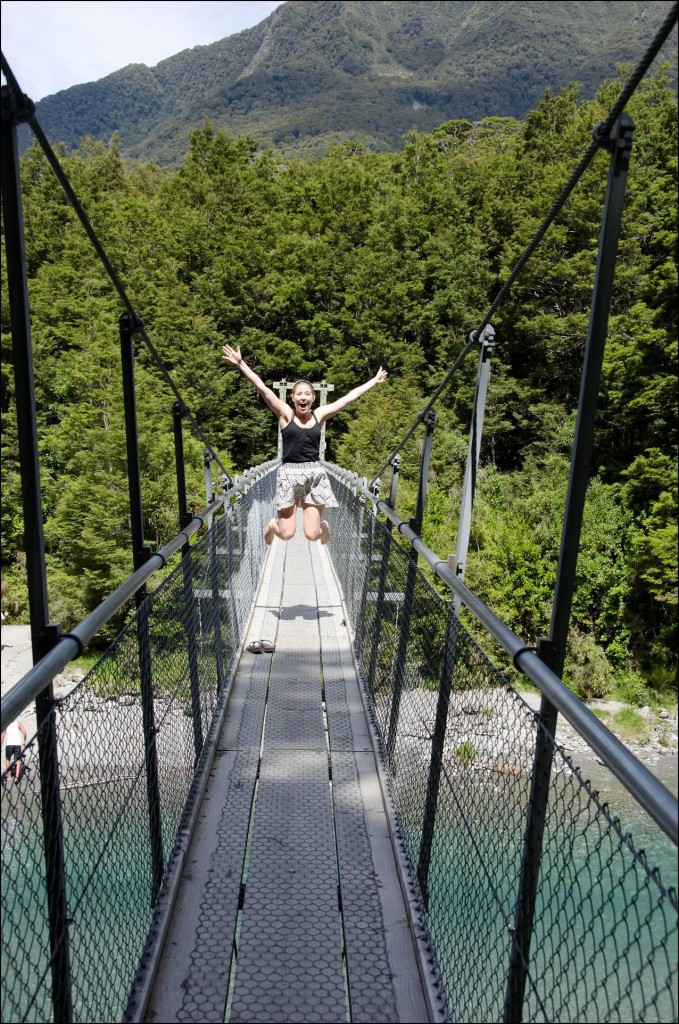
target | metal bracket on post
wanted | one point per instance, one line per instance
(486, 344)
(395, 462)
(553, 651)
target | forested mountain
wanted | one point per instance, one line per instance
(332, 267)
(313, 74)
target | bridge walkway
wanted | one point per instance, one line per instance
(290, 906)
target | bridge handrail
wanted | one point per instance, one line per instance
(647, 790)
(71, 644)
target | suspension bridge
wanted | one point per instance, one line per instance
(361, 822)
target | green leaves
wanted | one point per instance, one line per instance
(328, 270)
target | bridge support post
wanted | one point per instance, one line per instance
(230, 530)
(382, 582)
(356, 562)
(381, 585)
(437, 743)
(282, 387)
(367, 577)
(44, 635)
(140, 553)
(395, 474)
(415, 524)
(215, 603)
(473, 452)
(553, 650)
(189, 597)
(209, 489)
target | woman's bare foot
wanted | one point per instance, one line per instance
(269, 532)
(325, 532)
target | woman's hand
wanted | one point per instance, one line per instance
(380, 376)
(232, 354)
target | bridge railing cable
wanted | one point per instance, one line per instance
(457, 743)
(26, 109)
(115, 910)
(72, 644)
(601, 133)
(433, 716)
(637, 779)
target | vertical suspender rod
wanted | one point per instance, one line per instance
(553, 650)
(44, 635)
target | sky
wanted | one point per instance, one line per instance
(53, 45)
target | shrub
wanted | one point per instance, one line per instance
(466, 752)
(589, 672)
(629, 725)
(631, 687)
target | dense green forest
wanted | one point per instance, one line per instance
(329, 269)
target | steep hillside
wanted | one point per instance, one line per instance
(314, 73)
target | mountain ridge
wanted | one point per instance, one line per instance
(370, 70)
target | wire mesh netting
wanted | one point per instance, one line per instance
(458, 745)
(126, 757)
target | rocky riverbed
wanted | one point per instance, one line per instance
(657, 751)
(495, 730)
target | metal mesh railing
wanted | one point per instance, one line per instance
(458, 745)
(127, 771)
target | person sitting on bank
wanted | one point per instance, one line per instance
(301, 478)
(14, 737)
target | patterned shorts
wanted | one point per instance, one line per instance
(303, 483)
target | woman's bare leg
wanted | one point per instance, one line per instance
(315, 528)
(283, 527)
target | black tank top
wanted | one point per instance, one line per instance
(301, 444)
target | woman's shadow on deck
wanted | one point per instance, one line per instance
(302, 611)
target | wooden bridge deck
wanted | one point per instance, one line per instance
(290, 906)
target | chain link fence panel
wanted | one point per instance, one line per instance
(126, 771)
(458, 742)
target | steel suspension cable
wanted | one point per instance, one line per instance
(600, 132)
(53, 161)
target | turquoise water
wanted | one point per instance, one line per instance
(605, 934)
(109, 889)
(605, 940)
(108, 929)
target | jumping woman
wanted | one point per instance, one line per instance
(301, 478)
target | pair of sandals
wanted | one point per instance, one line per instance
(261, 647)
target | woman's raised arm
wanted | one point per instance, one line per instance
(278, 408)
(326, 411)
